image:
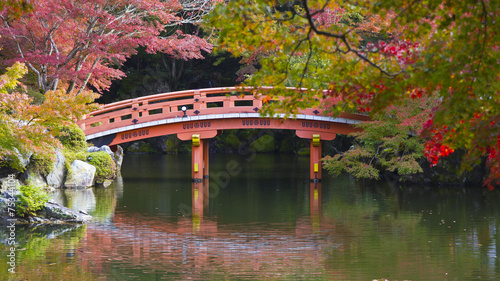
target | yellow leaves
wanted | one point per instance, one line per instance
(10, 79)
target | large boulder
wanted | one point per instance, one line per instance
(56, 211)
(56, 177)
(24, 159)
(34, 177)
(81, 176)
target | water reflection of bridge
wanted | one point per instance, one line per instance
(196, 243)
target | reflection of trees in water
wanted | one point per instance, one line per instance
(46, 252)
(445, 230)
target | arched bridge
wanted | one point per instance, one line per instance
(199, 115)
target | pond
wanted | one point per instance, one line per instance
(259, 217)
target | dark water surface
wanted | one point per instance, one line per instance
(259, 218)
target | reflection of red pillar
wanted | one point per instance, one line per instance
(315, 159)
(205, 159)
(315, 198)
(197, 199)
(315, 205)
(197, 159)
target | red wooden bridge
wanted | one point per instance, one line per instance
(199, 115)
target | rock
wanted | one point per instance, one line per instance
(118, 157)
(56, 177)
(82, 175)
(58, 212)
(52, 213)
(34, 178)
(93, 149)
(106, 149)
(24, 159)
(107, 183)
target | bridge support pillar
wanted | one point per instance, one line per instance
(198, 161)
(205, 158)
(315, 159)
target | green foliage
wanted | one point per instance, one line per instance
(388, 143)
(71, 137)
(447, 48)
(172, 144)
(31, 200)
(28, 128)
(105, 166)
(264, 144)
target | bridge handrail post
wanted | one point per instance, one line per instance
(198, 100)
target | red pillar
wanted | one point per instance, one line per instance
(205, 159)
(315, 159)
(197, 159)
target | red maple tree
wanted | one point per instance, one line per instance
(81, 42)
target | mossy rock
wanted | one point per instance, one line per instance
(104, 164)
(102, 161)
(40, 164)
(264, 144)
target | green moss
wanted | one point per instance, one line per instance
(72, 156)
(71, 137)
(104, 164)
(43, 165)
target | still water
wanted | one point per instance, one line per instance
(259, 218)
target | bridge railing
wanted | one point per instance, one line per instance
(169, 105)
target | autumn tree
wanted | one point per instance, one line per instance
(27, 128)
(447, 48)
(82, 42)
(389, 142)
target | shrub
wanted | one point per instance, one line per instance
(104, 164)
(72, 137)
(31, 200)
